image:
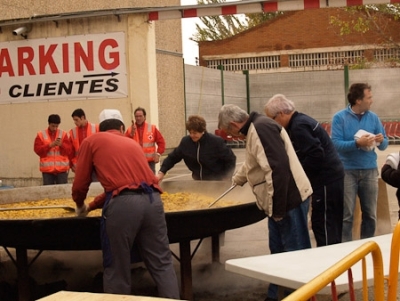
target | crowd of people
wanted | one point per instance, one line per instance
(291, 164)
(290, 159)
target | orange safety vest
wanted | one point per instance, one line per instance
(149, 142)
(54, 162)
(73, 133)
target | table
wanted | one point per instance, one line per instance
(76, 296)
(296, 268)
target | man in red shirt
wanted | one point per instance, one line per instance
(148, 136)
(132, 207)
(53, 147)
(82, 130)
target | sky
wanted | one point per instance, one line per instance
(190, 48)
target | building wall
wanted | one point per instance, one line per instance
(155, 79)
(296, 31)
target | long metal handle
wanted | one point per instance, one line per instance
(68, 208)
(222, 195)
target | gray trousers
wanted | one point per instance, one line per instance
(134, 218)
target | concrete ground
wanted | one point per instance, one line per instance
(81, 271)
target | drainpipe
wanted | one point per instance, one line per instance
(184, 87)
(246, 73)
(221, 67)
(346, 83)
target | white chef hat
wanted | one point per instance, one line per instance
(110, 114)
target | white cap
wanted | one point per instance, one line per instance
(110, 114)
(393, 160)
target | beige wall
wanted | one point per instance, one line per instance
(28, 8)
(155, 80)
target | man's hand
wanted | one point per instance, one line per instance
(160, 176)
(82, 211)
(56, 142)
(156, 157)
(133, 128)
(366, 140)
(379, 138)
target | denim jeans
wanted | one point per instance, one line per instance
(289, 234)
(364, 183)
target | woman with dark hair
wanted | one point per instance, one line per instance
(205, 155)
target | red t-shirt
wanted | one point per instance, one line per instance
(119, 163)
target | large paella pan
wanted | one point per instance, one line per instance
(72, 233)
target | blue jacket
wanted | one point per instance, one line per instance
(344, 126)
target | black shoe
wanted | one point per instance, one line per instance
(270, 299)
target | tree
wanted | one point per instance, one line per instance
(370, 17)
(222, 27)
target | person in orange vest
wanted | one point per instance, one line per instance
(53, 147)
(82, 130)
(148, 136)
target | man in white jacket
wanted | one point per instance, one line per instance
(276, 176)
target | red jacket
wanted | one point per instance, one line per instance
(52, 159)
(147, 135)
(76, 136)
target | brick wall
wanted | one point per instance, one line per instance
(297, 30)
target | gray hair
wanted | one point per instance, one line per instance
(279, 103)
(230, 113)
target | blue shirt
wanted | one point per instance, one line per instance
(345, 125)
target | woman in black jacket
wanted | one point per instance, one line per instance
(390, 173)
(207, 156)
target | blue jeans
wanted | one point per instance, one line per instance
(364, 183)
(289, 234)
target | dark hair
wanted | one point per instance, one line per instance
(356, 92)
(196, 123)
(54, 118)
(111, 124)
(140, 109)
(78, 113)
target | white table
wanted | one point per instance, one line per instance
(77, 296)
(296, 268)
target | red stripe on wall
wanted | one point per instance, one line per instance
(229, 10)
(153, 16)
(311, 4)
(394, 1)
(270, 7)
(189, 13)
(354, 2)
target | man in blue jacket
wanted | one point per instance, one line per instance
(356, 133)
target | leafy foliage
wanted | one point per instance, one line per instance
(222, 27)
(369, 17)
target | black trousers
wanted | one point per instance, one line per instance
(327, 213)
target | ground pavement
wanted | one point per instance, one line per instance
(81, 271)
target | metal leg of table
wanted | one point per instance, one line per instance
(215, 247)
(186, 270)
(24, 293)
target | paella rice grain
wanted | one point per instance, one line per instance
(181, 201)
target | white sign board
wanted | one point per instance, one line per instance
(63, 68)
